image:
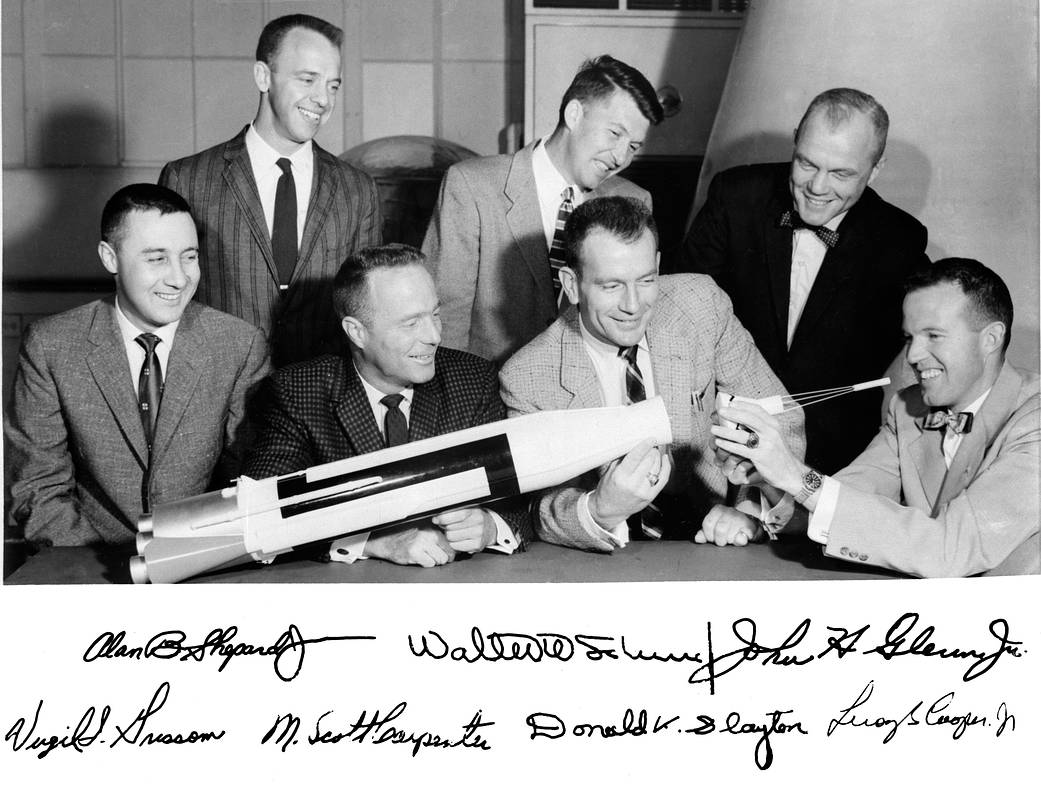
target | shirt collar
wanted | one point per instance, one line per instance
(602, 348)
(374, 394)
(978, 403)
(547, 176)
(130, 332)
(263, 156)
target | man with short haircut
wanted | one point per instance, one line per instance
(814, 262)
(633, 335)
(395, 385)
(949, 486)
(495, 241)
(276, 213)
(132, 401)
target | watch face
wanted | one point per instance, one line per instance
(812, 480)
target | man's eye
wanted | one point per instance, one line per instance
(156, 260)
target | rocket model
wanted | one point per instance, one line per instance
(775, 405)
(257, 520)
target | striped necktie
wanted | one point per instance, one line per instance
(646, 524)
(557, 249)
(149, 395)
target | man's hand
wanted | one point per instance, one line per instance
(772, 458)
(629, 484)
(467, 530)
(738, 470)
(724, 525)
(415, 546)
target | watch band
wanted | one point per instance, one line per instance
(811, 482)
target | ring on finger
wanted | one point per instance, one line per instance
(652, 478)
(753, 440)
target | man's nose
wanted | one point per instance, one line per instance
(915, 351)
(631, 299)
(175, 275)
(818, 184)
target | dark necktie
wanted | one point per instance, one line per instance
(646, 524)
(149, 386)
(790, 218)
(283, 229)
(557, 249)
(959, 423)
(395, 428)
(149, 394)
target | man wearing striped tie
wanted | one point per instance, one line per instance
(132, 400)
(633, 335)
(495, 242)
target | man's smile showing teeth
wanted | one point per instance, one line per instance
(312, 116)
(928, 374)
(168, 296)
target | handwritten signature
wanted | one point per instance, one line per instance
(375, 728)
(635, 724)
(140, 731)
(287, 650)
(938, 714)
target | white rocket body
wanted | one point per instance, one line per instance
(261, 519)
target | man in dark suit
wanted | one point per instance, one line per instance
(395, 385)
(814, 262)
(633, 335)
(495, 241)
(129, 402)
(276, 214)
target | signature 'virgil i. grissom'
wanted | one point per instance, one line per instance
(99, 728)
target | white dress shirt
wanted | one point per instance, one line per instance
(549, 185)
(824, 512)
(610, 373)
(135, 352)
(266, 172)
(350, 548)
(807, 256)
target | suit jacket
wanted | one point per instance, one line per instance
(697, 348)
(238, 268)
(850, 329)
(78, 455)
(901, 508)
(487, 251)
(317, 412)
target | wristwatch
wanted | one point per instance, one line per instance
(811, 482)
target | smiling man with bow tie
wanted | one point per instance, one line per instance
(949, 486)
(814, 261)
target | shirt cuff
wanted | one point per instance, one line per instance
(505, 540)
(617, 535)
(821, 516)
(349, 548)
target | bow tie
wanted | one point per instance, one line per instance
(959, 423)
(790, 218)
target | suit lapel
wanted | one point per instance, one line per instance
(577, 375)
(354, 413)
(778, 260)
(833, 276)
(107, 361)
(425, 411)
(238, 175)
(996, 410)
(523, 215)
(183, 373)
(926, 452)
(321, 204)
(672, 362)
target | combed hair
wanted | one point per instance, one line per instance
(840, 103)
(277, 29)
(985, 290)
(600, 76)
(626, 218)
(350, 287)
(137, 196)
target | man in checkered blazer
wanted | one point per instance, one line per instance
(686, 344)
(394, 385)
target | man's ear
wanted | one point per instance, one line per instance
(262, 76)
(355, 330)
(573, 113)
(876, 169)
(992, 337)
(569, 282)
(108, 257)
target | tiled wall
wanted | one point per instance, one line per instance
(138, 82)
